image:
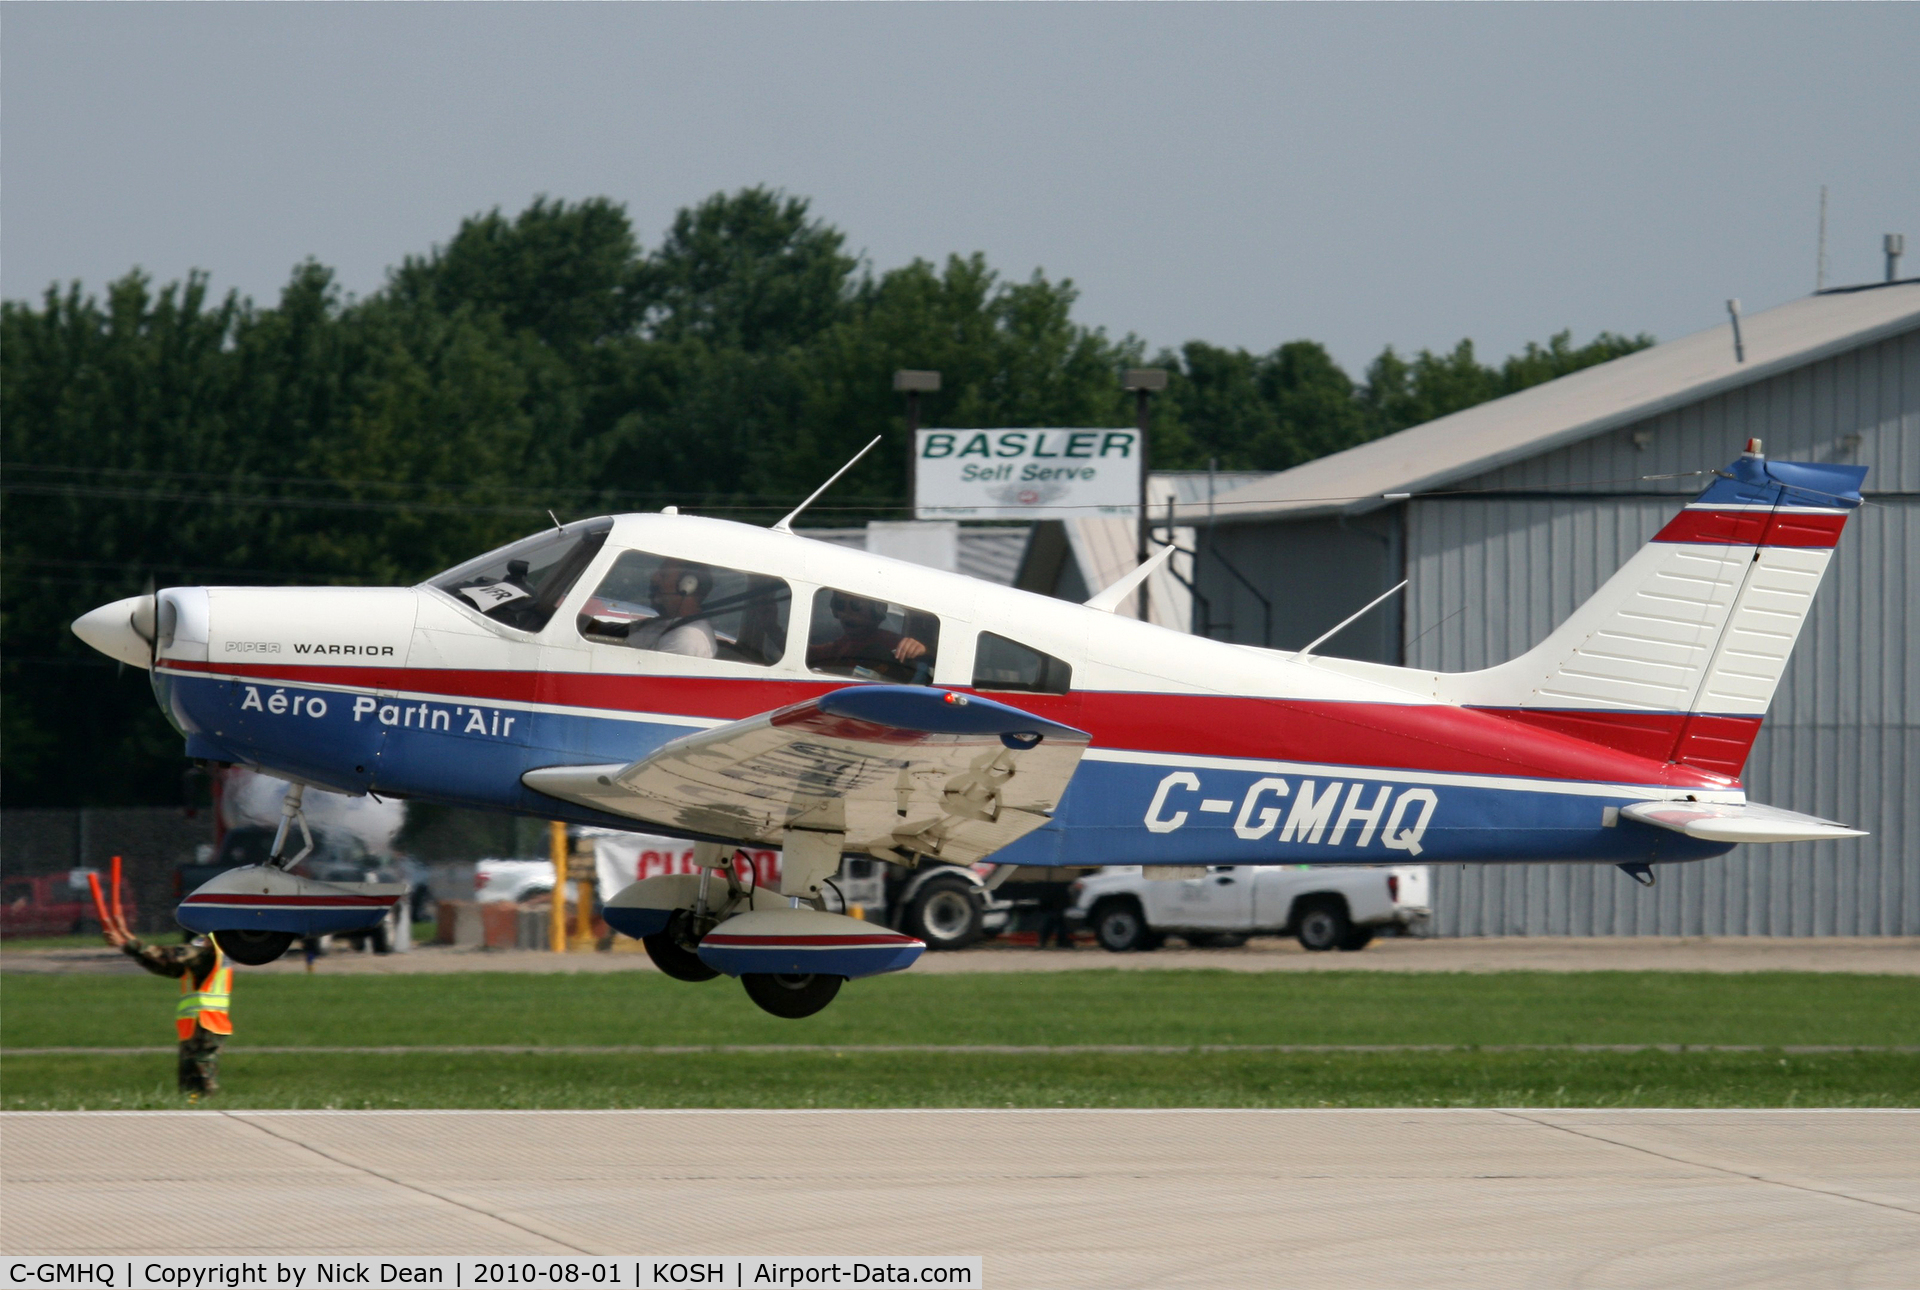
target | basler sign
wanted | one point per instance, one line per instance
(1026, 474)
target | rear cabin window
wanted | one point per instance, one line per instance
(1001, 664)
(872, 640)
(521, 585)
(676, 606)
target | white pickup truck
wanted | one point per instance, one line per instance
(1333, 907)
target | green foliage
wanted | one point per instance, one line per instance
(1399, 393)
(547, 360)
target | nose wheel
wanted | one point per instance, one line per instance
(252, 948)
(791, 995)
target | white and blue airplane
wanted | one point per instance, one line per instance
(746, 687)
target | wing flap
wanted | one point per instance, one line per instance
(1737, 822)
(898, 769)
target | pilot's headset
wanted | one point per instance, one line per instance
(694, 581)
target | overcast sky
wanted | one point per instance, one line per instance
(1245, 174)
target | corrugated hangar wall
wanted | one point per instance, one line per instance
(1491, 576)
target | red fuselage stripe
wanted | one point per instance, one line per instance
(1387, 736)
(1714, 743)
(1754, 528)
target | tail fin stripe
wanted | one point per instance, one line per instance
(1754, 528)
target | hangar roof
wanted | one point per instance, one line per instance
(1575, 407)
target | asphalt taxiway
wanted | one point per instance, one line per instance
(1430, 1198)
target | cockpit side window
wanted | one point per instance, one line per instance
(521, 585)
(873, 640)
(679, 606)
(1001, 664)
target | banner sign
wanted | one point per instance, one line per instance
(622, 859)
(1026, 474)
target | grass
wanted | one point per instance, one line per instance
(1092, 1007)
(548, 1081)
(28, 944)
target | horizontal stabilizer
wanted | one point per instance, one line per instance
(1737, 822)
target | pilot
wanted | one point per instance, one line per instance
(676, 590)
(864, 644)
(202, 1020)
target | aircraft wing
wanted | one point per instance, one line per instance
(1737, 822)
(899, 769)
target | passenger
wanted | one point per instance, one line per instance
(863, 644)
(677, 590)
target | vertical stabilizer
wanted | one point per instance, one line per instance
(1677, 656)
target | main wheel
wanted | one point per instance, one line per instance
(253, 948)
(1120, 926)
(1323, 926)
(945, 914)
(673, 958)
(791, 995)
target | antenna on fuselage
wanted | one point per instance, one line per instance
(555, 518)
(1347, 622)
(786, 525)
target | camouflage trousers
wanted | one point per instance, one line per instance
(200, 1062)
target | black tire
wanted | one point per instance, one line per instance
(791, 996)
(678, 961)
(1121, 926)
(381, 941)
(945, 913)
(1322, 925)
(253, 948)
(1358, 939)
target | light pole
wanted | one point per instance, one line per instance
(1143, 381)
(911, 382)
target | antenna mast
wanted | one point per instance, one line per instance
(1820, 261)
(786, 525)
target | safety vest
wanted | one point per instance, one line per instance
(207, 1002)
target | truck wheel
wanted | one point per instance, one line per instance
(1358, 939)
(1120, 926)
(944, 914)
(1322, 926)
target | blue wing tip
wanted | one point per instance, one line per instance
(943, 712)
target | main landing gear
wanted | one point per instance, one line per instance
(675, 948)
(791, 994)
(790, 954)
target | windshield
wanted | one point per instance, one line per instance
(521, 585)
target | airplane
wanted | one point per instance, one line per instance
(750, 687)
